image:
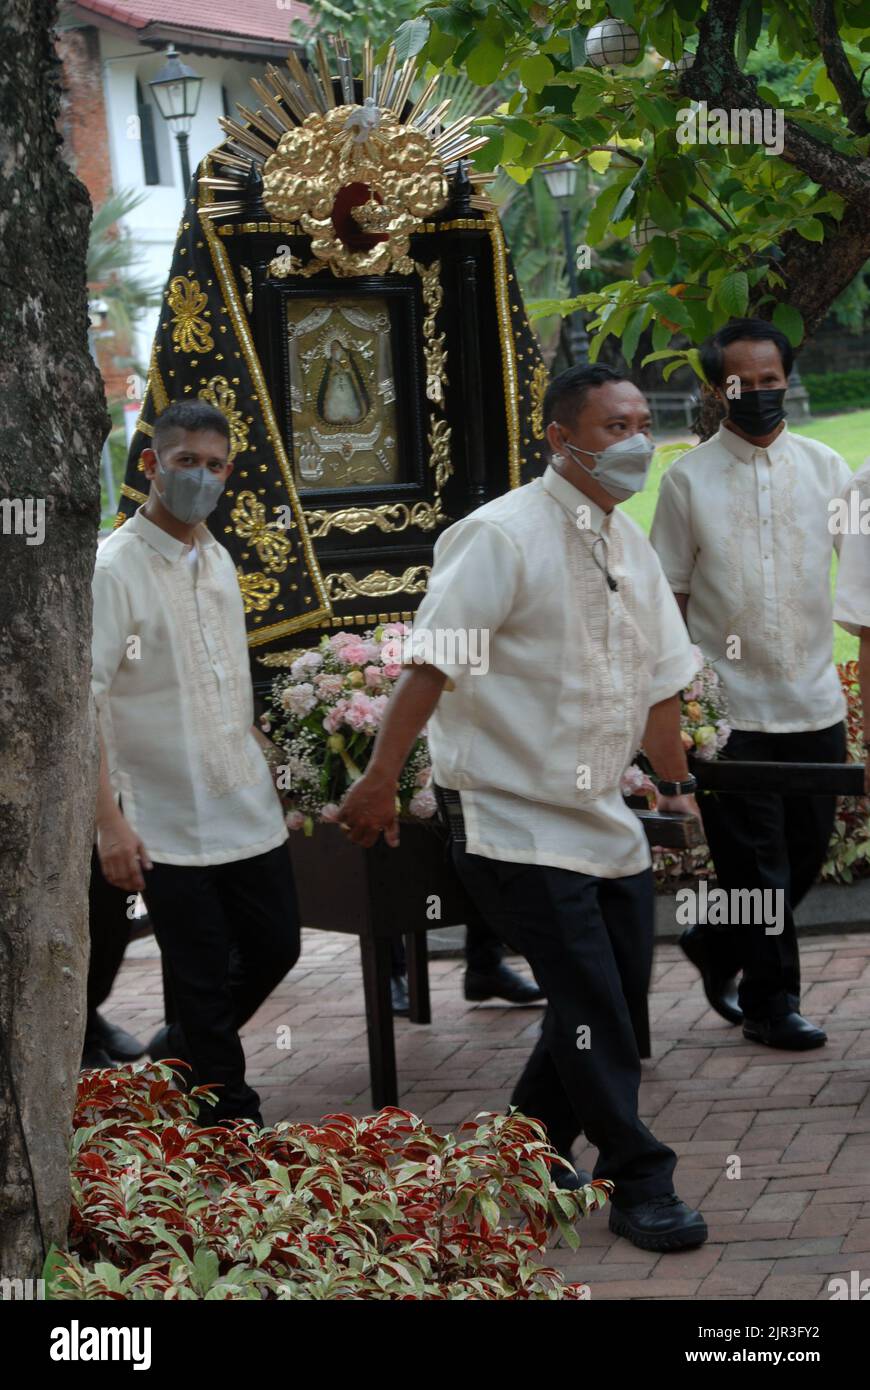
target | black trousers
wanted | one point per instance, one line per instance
(769, 842)
(110, 928)
(589, 944)
(228, 934)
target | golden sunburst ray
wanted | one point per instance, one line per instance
(293, 96)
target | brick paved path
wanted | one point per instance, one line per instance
(800, 1124)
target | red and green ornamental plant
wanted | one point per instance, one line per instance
(375, 1208)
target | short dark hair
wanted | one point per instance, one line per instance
(566, 394)
(736, 331)
(192, 416)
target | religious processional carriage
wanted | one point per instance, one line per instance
(341, 290)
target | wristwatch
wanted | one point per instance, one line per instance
(677, 788)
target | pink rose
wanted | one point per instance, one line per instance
(330, 812)
(392, 671)
(294, 820)
(391, 651)
(423, 776)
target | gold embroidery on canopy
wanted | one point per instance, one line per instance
(190, 331)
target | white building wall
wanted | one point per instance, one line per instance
(154, 223)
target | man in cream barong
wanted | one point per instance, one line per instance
(587, 656)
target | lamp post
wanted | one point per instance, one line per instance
(561, 181)
(176, 90)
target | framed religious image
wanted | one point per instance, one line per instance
(353, 387)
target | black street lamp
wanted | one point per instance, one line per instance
(176, 90)
(561, 181)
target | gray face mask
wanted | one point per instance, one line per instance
(622, 469)
(190, 494)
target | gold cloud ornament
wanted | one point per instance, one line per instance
(396, 165)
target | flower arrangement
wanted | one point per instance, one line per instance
(381, 1207)
(704, 726)
(849, 849)
(324, 715)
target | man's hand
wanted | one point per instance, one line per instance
(677, 806)
(122, 854)
(369, 808)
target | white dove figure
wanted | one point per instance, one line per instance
(364, 120)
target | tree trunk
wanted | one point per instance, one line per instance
(52, 422)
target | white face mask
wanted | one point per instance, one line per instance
(622, 469)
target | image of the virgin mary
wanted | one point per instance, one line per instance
(342, 398)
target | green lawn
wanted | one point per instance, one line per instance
(849, 434)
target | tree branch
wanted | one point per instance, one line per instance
(839, 68)
(816, 274)
(716, 78)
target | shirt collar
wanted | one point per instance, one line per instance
(745, 450)
(570, 497)
(162, 542)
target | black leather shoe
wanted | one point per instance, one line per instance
(94, 1056)
(117, 1041)
(720, 987)
(161, 1046)
(568, 1178)
(399, 995)
(501, 983)
(662, 1223)
(790, 1032)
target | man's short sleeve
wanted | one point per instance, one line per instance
(677, 660)
(671, 532)
(852, 595)
(112, 625)
(470, 593)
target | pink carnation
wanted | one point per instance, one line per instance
(335, 717)
(374, 677)
(358, 653)
(328, 684)
(634, 781)
(365, 712)
(298, 700)
(306, 664)
(422, 804)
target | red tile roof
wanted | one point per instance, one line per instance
(255, 19)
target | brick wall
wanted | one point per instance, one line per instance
(83, 111)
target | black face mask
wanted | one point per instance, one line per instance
(758, 413)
